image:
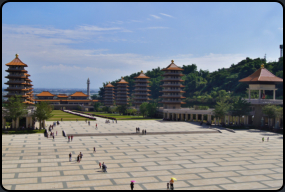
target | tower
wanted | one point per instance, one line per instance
(122, 92)
(141, 89)
(172, 87)
(19, 83)
(88, 89)
(109, 94)
(281, 50)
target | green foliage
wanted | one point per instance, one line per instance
(143, 109)
(221, 108)
(15, 108)
(196, 107)
(240, 107)
(106, 109)
(97, 105)
(43, 112)
(122, 109)
(151, 109)
(270, 110)
(95, 97)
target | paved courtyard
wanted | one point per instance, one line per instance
(198, 161)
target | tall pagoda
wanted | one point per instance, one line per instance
(19, 82)
(122, 92)
(172, 87)
(109, 94)
(141, 89)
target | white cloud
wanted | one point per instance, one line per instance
(154, 28)
(155, 16)
(166, 15)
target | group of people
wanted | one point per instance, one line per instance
(51, 133)
(138, 130)
(104, 167)
(171, 182)
(108, 121)
(79, 157)
(70, 138)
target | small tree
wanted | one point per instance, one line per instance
(43, 112)
(221, 109)
(15, 109)
(112, 109)
(122, 109)
(134, 111)
(143, 109)
(106, 109)
(97, 105)
(151, 109)
(240, 107)
(270, 111)
(129, 111)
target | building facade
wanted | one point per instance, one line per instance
(172, 87)
(141, 90)
(109, 94)
(122, 92)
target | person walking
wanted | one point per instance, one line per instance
(167, 185)
(78, 159)
(94, 150)
(96, 125)
(267, 139)
(100, 165)
(71, 137)
(171, 184)
(262, 139)
(68, 138)
(70, 155)
(80, 155)
(53, 136)
(145, 131)
(104, 167)
(132, 185)
(56, 133)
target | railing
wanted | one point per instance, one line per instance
(136, 89)
(187, 111)
(171, 96)
(16, 88)
(265, 101)
(171, 90)
(171, 79)
(142, 81)
(16, 81)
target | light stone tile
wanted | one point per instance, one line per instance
(7, 187)
(119, 187)
(218, 174)
(255, 172)
(8, 175)
(62, 178)
(250, 178)
(233, 163)
(182, 162)
(137, 179)
(163, 167)
(210, 187)
(275, 176)
(243, 186)
(56, 168)
(150, 173)
(179, 177)
(261, 166)
(227, 168)
(160, 185)
(184, 157)
(240, 159)
(207, 160)
(7, 166)
(274, 183)
(19, 181)
(39, 165)
(194, 165)
(38, 186)
(214, 181)
(193, 170)
(279, 170)
(108, 176)
(88, 183)
(19, 170)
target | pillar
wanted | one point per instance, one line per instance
(273, 94)
(210, 119)
(228, 120)
(215, 119)
(167, 115)
(191, 117)
(186, 117)
(244, 120)
(44, 124)
(176, 116)
(248, 94)
(225, 119)
(196, 117)
(3, 122)
(238, 120)
(17, 123)
(27, 121)
(218, 120)
(259, 92)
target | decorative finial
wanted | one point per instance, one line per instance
(172, 61)
(17, 55)
(122, 77)
(262, 66)
(109, 82)
(141, 71)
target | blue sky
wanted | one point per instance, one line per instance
(65, 43)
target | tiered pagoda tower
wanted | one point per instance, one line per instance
(19, 83)
(109, 94)
(141, 89)
(172, 87)
(122, 92)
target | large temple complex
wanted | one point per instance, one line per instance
(172, 95)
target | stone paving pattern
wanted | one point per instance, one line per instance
(206, 161)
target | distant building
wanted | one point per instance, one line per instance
(122, 92)
(141, 90)
(63, 101)
(109, 94)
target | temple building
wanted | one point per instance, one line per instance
(109, 94)
(261, 80)
(122, 92)
(172, 87)
(63, 101)
(19, 82)
(141, 90)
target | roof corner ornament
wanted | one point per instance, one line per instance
(262, 66)
(141, 71)
(122, 77)
(16, 55)
(172, 61)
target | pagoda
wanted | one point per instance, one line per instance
(141, 89)
(122, 92)
(19, 82)
(109, 94)
(172, 87)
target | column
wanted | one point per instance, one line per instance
(274, 94)
(27, 121)
(17, 122)
(44, 124)
(210, 119)
(13, 124)
(196, 117)
(248, 94)
(259, 91)
(168, 115)
(218, 120)
(3, 122)
(228, 119)
(191, 117)
(215, 120)
(225, 120)
(186, 117)
(176, 116)
(238, 120)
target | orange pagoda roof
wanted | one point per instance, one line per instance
(172, 66)
(79, 94)
(142, 76)
(261, 75)
(62, 95)
(16, 62)
(45, 93)
(109, 85)
(123, 81)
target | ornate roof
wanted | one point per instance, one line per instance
(261, 75)
(109, 85)
(45, 93)
(142, 76)
(62, 95)
(78, 94)
(172, 66)
(16, 62)
(123, 81)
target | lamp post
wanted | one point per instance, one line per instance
(262, 121)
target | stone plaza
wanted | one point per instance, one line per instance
(222, 160)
